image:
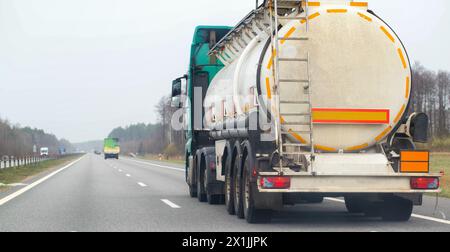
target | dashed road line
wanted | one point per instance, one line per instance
(142, 184)
(170, 203)
(128, 175)
(157, 165)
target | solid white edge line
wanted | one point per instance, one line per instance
(142, 184)
(29, 187)
(417, 216)
(170, 203)
(157, 165)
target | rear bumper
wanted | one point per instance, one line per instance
(383, 183)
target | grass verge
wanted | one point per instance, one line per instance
(19, 174)
(441, 162)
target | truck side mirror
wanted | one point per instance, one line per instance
(176, 93)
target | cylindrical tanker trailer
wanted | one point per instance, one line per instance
(300, 101)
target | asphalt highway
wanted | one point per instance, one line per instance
(136, 195)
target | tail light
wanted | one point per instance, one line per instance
(425, 183)
(275, 182)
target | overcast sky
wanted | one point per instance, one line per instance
(78, 68)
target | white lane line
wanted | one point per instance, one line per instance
(27, 188)
(120, 170)
(157, 165)
(128, 175)
(142, 184)
(335, 200)
(417, 216)
(170, 203)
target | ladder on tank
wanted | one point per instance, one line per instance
(279, 11)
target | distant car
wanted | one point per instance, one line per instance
(97, 152)
(44, 152)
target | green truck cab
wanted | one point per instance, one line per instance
(202, 69)
(111, 148)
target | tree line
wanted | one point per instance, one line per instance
(431, 95)
(19, 141)
(157, 138)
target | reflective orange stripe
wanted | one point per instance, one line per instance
(325, 148)
(387, 34)
(407, 87)
(268, 89)
(312, 16)
(315, 4)
(359, 4)
(399, 115)
(297, 136)
(269, 66)
(288, 34)
(337, 10)
(383, 134)
(402, 58)
(358, 147)
(365, 17)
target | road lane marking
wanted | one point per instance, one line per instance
(27, 188)
(120, 170)
(128, 175)
(142, 184)
(417, 216)
(170, 203)
(157, 165)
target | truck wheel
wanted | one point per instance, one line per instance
(212, 199)
(193, 191)
(237, 185)
(201, 194)
(397, 209)
(251, 213)
(354, 205)
(229, 189)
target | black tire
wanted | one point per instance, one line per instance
(251, 213)
(397, 209)
(354, 205)
(237, 183)
(229, 188)
(212, 199)
(193, 191)
(201, 194)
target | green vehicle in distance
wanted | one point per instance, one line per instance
(111, 148)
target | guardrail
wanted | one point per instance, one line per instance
(11, 161)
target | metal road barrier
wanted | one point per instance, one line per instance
(11, 161)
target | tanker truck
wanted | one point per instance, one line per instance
(301, 101)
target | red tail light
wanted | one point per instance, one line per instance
(275, 182)
(425, 183)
